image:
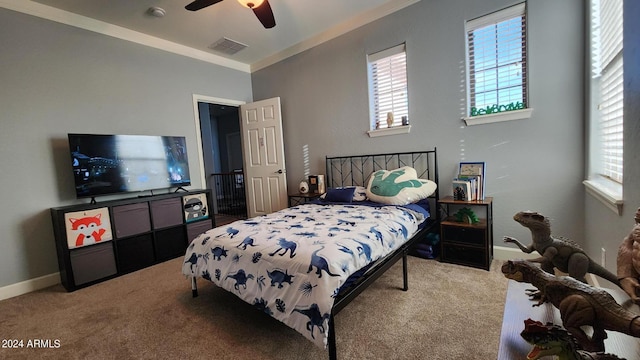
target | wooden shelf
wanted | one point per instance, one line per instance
(450, 220)
(449, 200)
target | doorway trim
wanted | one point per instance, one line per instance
(197, 98)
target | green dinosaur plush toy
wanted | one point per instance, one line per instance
(399, 187)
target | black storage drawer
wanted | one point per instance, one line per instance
(463, 234)
(131, 219)
(170, 243)
(135, 253)
(465, 254)
(92, 263)
(166, 212)
(197, 228)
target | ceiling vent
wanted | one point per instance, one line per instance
(227, 46)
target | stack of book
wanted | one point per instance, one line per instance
(469, 184)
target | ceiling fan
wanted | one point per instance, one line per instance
(261, 8)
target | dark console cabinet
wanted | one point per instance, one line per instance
(99, 241)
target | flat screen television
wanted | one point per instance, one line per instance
(112, 164)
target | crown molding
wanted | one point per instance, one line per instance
(83, 22)
(334, 32)
(68, 18)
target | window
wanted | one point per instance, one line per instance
(497, 64)
(606, 108)
(388, 92)
(607, 84)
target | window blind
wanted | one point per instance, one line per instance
(388, 86)
(496, 61)
(607, 65)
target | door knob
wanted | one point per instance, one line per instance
(280, 171)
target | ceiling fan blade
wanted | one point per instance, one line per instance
(200, 4)
(265, 15)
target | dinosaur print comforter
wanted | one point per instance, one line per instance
(291, 263)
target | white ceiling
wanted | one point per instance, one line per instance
(300, 24)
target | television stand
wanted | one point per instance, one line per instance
(93, 201)
(181, 188)
(130, 234)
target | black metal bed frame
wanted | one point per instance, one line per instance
(356, 170)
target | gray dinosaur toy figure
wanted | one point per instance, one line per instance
(580, 305)
(557, 252)
(629, 262)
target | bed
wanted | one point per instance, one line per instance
(302, 265)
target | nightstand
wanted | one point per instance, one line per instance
(463, 243)
(300, 198)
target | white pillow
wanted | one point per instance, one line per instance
(360, 194)
(399, 187)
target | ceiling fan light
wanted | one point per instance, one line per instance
(156, 11)
(251, 3)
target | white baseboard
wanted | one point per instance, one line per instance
(28, 286)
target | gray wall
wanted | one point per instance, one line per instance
(57, 79)
(603, 228)
(533, 164)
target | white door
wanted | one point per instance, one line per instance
(265, 174)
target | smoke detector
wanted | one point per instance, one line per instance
(156, 11)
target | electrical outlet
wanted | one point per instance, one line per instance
(603, 257)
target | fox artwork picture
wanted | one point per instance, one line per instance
(88, 227)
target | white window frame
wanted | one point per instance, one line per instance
(605, 109)
(391, 65)
(502, 114)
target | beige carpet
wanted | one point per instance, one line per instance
(449, 312)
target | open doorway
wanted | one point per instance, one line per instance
(222, 159)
